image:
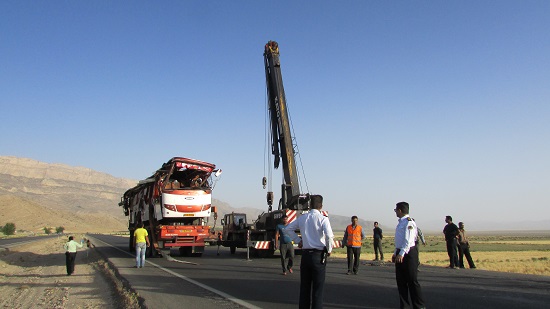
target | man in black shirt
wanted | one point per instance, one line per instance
(451, 232)
(377, 235)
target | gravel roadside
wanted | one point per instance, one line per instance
(34, 276)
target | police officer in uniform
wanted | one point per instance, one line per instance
(406, 259)
(316, 244)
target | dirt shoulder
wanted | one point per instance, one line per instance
(34, 276)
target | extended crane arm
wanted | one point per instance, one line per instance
(281, 144)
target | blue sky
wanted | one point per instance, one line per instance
(441, 104)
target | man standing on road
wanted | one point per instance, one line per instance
(70, 254)
(286, 246)
(316, 244)
(142, 242)
(353, 240)
(464, 247)
(451, 232)
(219, 241)
(419, 238)
(377, 236)
(406, 259)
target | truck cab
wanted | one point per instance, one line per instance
(235, 231)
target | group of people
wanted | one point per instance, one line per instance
(457, 244)
(316, 242)
(140, 236)
(353, 240)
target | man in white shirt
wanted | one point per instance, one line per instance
(70, 254)
(316, 244)
(406, 259)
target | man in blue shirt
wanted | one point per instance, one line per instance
(286, 245)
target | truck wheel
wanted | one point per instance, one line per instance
(150, 251)
(269, 253)
(185, 251)
(232, 250)
(131, 244)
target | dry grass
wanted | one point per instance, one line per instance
(524, 262)
(517, 242)
(514, 254)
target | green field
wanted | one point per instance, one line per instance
(519, 254)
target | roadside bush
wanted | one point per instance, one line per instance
(59, 230)
(8, 229)
(47, 230)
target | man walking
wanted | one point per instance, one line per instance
(464, 247)
(353, 239)
(142, 242)
(377, 236)
(451, 232)
(70, 254)
(286, 246)
(406, 259)
(316, 244)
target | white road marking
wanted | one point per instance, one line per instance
(206, 287)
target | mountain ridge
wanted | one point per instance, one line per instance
(81, 199)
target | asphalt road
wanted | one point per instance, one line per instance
(232, 281)
(7, 243)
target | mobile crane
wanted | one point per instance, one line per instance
(260, 235)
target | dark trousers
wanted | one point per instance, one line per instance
(354, 253)
(287, 256)
(70, 258)
(452, 252)
(406, 275)
(464, 250)
(312, 280)
(378, 248)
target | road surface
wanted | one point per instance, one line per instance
(7, 243)
(232, 281)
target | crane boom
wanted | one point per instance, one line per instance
(260, 236)
(281, 144)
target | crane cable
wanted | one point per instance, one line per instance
(297, 152)
(267, 156)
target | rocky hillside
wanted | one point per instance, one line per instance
(62, 187)
(30, 218)
(34, 195)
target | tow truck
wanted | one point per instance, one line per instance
(259, 236)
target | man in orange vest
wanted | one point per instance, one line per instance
(353, 239)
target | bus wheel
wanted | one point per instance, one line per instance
(131, 244)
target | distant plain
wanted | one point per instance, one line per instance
(525, 252)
